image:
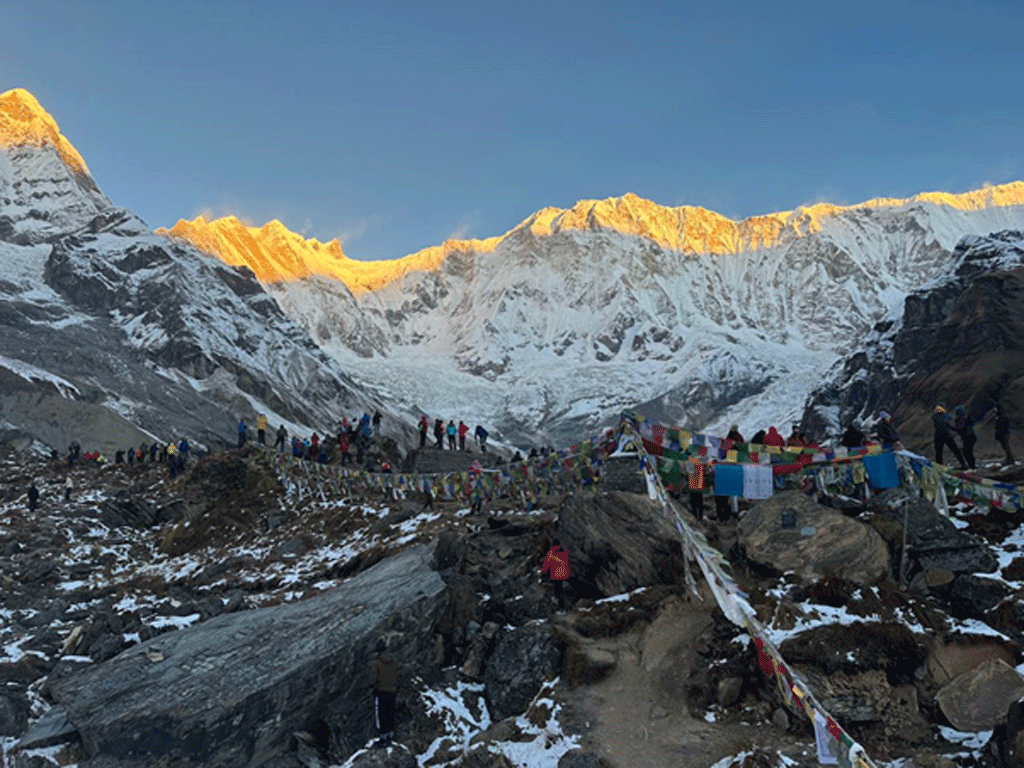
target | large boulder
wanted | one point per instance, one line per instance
(979, 700)
(232, 690)
(822, 543)
(933, 541)
(619, 541)
(522, 661)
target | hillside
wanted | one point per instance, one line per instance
(138, 576)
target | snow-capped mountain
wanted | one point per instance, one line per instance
(552, 328)
(117, 333)
(956, 340)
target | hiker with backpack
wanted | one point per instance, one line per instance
(556, 566)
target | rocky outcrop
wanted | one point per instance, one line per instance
(618, 542)
(275, 670)
(523, 660)
(933, 542)
(958, 340)
(821, 543)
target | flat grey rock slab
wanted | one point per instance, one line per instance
(231, 690)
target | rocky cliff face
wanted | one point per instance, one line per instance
(113, 334)
(958, 341)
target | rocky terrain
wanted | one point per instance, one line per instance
(228, 617)
(957, 341)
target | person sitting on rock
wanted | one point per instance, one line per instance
(556, 565)
(384, 674)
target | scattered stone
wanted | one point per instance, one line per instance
(729, 691)
(579, 759)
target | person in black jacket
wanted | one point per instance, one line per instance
(33, 497)
(943, 436)
(1003, 433)
(963, 425)
(886, 432)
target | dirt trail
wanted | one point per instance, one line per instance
(638, 717)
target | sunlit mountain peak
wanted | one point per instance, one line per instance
(24, 122)
(277, 254)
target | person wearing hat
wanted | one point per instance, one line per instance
(943, 435)
(384, 680)
(886, 432)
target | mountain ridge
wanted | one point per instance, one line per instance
(688, 230)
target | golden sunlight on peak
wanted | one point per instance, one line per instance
(276, 254)
(23, 122)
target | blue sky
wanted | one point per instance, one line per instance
(395, 125)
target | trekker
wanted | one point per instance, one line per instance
(773, 438)
(424, 428)
(796, 438)
(852, 438)
(463, 430)
(1003, 433)
(376, 422)
(886, 432)
(242, 432)
(695, 483)
(734, 434)
(943, 437)
(69, 486)
(33, 497)
(963, 425)
(261, 428)
(282, 437)
(451, 430)
(556, 565)
(481, 438)
(428, 498)
(384, 680)
(439, 434)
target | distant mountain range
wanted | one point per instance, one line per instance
(543, 334)
(551, 329)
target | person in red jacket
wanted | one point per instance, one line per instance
(556, 565)
(774, 438)
(463, 429)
